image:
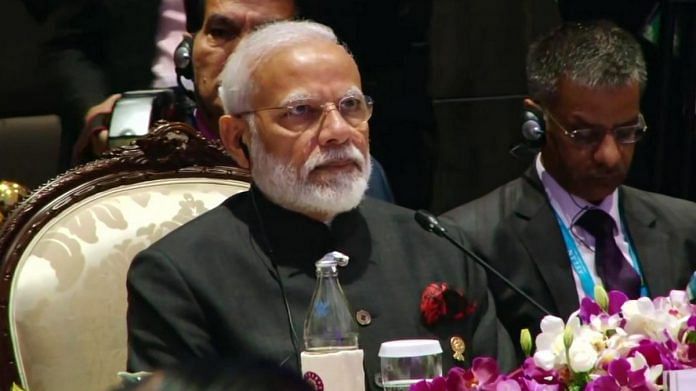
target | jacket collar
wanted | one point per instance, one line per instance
(541, 236)
(289, 238)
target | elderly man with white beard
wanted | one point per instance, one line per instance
(239, 279)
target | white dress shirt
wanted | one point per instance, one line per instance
(569, 208)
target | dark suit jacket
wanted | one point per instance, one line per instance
(513, 227)
(207, 288)
(102, 47)
(97, 48)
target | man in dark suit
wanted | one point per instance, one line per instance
(98, 48)
(568, 224)
(240, 278)
(215, 28)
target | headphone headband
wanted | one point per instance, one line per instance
(195, 14)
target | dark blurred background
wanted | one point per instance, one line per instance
(448, 80)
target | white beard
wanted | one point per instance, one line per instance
(286, 187)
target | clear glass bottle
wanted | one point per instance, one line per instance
(329, 325)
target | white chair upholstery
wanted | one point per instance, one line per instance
(66, 298)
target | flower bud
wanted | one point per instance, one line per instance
(601, 297)
(526, 342)
(567, 337)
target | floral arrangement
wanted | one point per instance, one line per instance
(609, 344)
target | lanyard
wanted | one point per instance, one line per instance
(580, 267)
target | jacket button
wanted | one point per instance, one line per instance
(363, 317)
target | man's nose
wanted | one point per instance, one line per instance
(608, 152)
(333, 128)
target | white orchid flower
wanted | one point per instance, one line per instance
(582, 355)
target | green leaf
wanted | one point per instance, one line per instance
(690, 337)
(579, 381)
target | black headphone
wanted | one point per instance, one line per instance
(533, 132)
(533, 127)
(183, 64)
(245, 149)
(275, 274)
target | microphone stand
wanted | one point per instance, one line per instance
(431, 224)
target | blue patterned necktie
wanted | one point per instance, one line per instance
(614, 270)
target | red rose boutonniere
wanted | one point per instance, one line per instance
(439, 302)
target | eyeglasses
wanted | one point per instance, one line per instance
(306, 114)
(593, 136)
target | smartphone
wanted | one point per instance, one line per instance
(135, 113)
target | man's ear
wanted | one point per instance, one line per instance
(531, 104)
(233, 133)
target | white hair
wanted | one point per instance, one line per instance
(291, 187)
(236, 82)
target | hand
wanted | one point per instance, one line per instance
(94, 135)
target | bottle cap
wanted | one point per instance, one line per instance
(410, 348)
(333, 258)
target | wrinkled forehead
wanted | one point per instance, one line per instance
(251, 13)
(317, 69)
(578, 96)
(305, 95)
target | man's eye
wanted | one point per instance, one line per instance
(300, 110)
(587, 135)
(350, 103)
(222, 33)
(625, 132)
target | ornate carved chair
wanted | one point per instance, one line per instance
(65, 251)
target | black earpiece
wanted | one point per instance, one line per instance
(533, 132)
(533, 127)
(245, 149)
(183, 63)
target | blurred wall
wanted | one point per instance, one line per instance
(389, 40)
(447, 77)
(24, 89)
(29, 134)
(477, 82)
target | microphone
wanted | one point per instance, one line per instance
(430, 223)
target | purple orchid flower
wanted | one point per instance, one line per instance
(656, 353)
(540, 375)
(620, 377)
(532, 378)
(686, 354)
(691, 323)
(616, 300)
(484, 375)
(588, 307)
(437, 384)
(507, 385)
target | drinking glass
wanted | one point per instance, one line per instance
(408, 361)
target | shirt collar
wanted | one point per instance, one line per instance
(295, 236)
(567, 206)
